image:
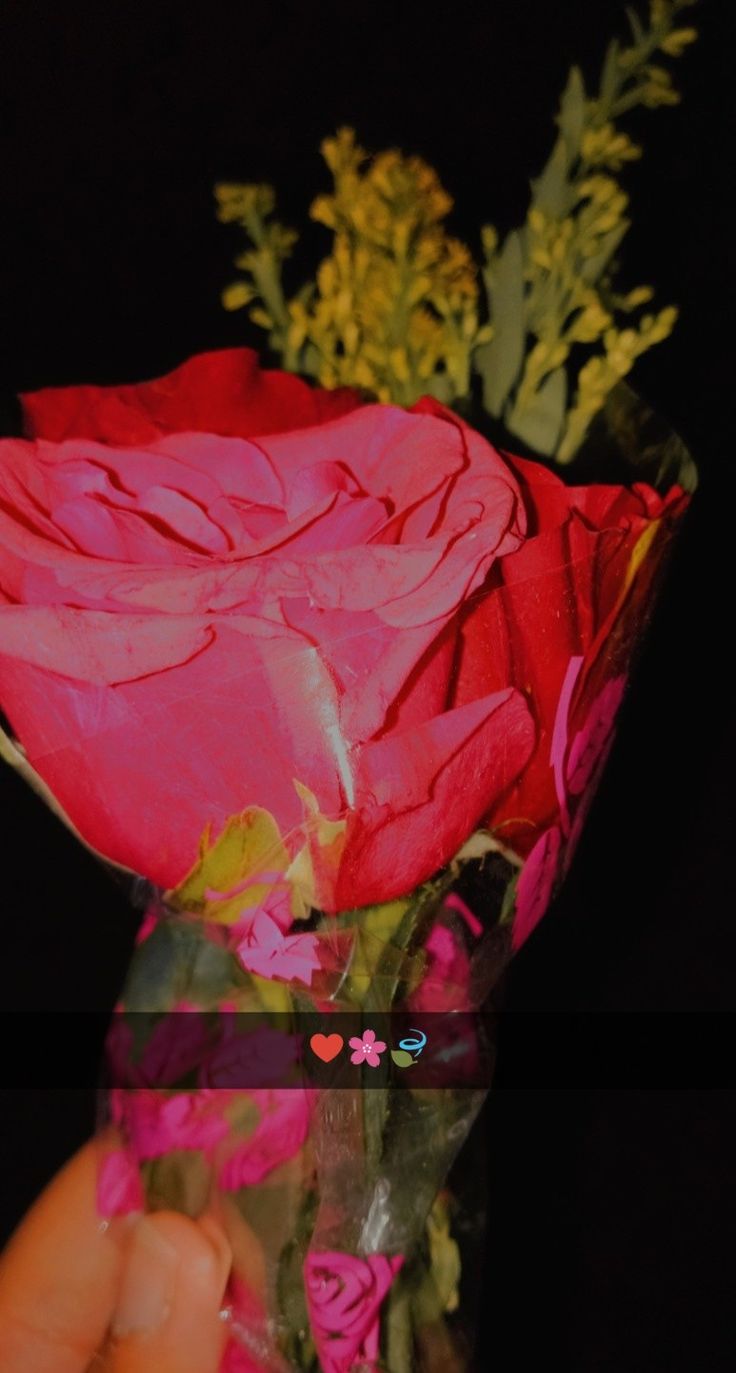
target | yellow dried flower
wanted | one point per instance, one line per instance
(675, 43)
(395, 307)
(549, 285)
(237, 295)
(242, 203)
(396, 303)
(608, 147)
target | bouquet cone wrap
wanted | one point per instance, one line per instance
(338, 681)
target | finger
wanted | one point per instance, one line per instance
(167, 1315)
(59, 1275)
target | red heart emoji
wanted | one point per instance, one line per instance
(326, 1047)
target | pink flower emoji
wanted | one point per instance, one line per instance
(367, 1049)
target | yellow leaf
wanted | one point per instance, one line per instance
(313, 872)
(444, 1252)
(374, 943)
(237, 295)
(218, 886)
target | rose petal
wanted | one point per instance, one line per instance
(420, 793)
(223, 392)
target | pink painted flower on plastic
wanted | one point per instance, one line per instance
(454, 902)
(156, 1123)
(175, 1046)
(261, 940)
(445, 984)
(250, 1058)
(577, 768)
(344, 1296)
(279, 1134)
(592, 741)
(264, 950)
(368, 1049)
(536, 885)
(119, 1187)
(147, 926)
(589, 755)
(236, 1359)
(249, 1321)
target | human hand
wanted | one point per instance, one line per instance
(140, 1295)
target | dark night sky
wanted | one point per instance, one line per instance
(612, 1192)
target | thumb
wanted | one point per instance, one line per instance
(167, 1312)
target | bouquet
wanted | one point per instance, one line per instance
(330, 674)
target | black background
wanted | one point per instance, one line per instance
(611, 1181)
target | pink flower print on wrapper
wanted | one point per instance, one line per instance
(176, 1046)
(445, 984)
(260, 939)
(249, 1351)
(344, 1296)
(255, 1058)
(156, 1123)
(119, 1187)
(588, 756)
(591, 743)
(368, 1049)
(268, 952)
(536, 885)
(453, 902)
(147, 925)
(280, 1133)
(577, 771)
(558, 750)
(236, 1359)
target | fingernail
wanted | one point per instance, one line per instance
(149, 1279)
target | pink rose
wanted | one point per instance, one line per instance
(190, 620)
